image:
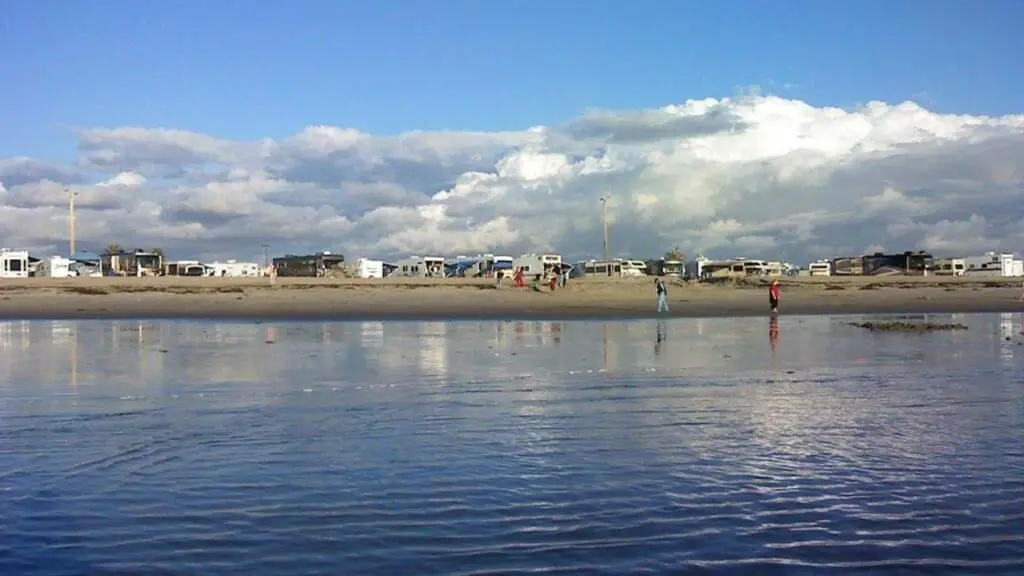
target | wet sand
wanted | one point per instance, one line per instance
(341, 299)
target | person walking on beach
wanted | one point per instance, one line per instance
(662, 294)
(773, 296)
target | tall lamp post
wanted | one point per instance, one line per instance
(71, 219)
(266, 254)
(604, 222)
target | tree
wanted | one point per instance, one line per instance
(675, 254)
(158, 251)
(112, 249)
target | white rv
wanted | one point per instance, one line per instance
(13, 263)
(420, 267)
(540, 265)
(819, 268)
(950, 267)
(992, 264)
(235, 269)
(366, 268)
(55, 267)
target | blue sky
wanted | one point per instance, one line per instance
(249, 69)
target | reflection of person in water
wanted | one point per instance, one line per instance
(773, 332)
(659, 337)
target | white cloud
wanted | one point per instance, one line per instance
(754, 176)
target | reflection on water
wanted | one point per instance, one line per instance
(504, 447)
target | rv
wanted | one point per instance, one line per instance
(950, 267)
(55, 267)
(138, 263)
(907, 263)
(366, 268)
(13, 263)
(819, 268)
(663, 267)
(598, 268)
(539, 265)
(848, 266)
(186, 268)
(319, 265)
(633, 268)
(491, 265)
(235, 269)
(992, 264)
(419, 267)
(694, 269)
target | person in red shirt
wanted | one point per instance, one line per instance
(773, 296)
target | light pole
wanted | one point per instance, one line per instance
(266, 255)
(604, 222)
(71, 219)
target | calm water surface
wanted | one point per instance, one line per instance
(684, 446)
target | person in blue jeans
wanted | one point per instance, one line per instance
(662, 295)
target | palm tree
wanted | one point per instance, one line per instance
(112, 249)
(675, 254)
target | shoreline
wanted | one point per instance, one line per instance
(301, 299)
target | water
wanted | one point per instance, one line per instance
(704, 446)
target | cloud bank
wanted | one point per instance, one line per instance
(755, 176)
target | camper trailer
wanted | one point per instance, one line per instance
(13, 263)
(907, 264)
(694, 269)
(55, 267)
(993, 264)
(538, 265)
(848, 266)
(598, 268)
(319, 265)
(950, 267)
(235, 269)
(366, 268)
(187, 268)
(663, 267)
(419, 267)
(138, 263)
(819, 268)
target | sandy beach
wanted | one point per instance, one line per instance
(341, 299)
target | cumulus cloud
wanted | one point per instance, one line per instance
(754, 176)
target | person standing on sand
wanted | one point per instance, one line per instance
(773, 296)
(659, 285)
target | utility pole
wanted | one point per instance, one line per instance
(71, 219)
(604, 222)
(266, 255)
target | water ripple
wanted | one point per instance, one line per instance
(848, 469)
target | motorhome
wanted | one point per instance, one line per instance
(55, 267)
(186, 268)
(819, 268)
(950, 267)
(494, 264)
(14, 263)
(663, 267)
(633, 268)
(319, 265)
(717, 269)
(138, 263)
(367, 268)
(598, 268)
(907, 263)
(235, 269)
(848, 266)
(419, 267)
(993, 264)
(694, 269)
(538, 265)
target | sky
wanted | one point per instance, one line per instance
(384, 128)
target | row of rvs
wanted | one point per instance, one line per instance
(919, 264)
